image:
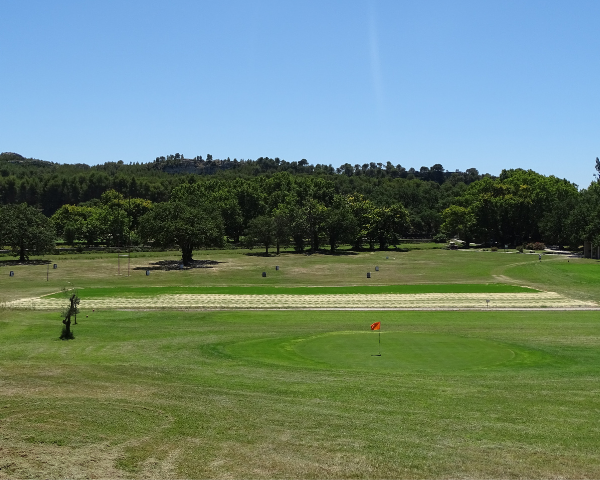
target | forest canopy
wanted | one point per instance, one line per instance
(272, 202)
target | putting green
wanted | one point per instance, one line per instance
(400, 352)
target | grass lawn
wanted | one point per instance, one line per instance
(577, 278)
(241, 268)
(136, 292)
(299, 395)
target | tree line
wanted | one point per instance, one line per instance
(314, 209)
(51, 185)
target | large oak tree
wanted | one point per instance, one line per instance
(186, 224)
(26, 230)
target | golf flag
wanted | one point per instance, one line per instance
(376, 326)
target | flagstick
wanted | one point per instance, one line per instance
(377, 326)
(379, 336)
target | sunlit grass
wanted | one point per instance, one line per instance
(134, 292)
(578, 278)
(298, 394)
(231, 268)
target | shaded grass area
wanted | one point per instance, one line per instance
(99, 292)
(286, 394)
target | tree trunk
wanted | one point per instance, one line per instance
(72, 310)
(67, 322)
(186, 254)
(277, 247)
(266, 249)
(299, 243)
(315, 242)
(22, 253)
(66, 334)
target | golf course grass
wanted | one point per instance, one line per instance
(401, 352)
(576, 277)
(125, 292)
(301, 394)
(231, 268)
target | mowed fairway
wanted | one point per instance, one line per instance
(299, 394)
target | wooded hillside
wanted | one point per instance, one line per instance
(269, 201)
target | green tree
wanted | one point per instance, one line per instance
(392, 223)
(459, 221)
(282, 227)
(26, 230)
(232, 217)
(113, 218)
(222, 197)
(365, 213)
(511, 208)
(68, 222)
(584, 220)
(70, 233)
(314, 212)
(251, 201)
(185, 224)
(556, 224)
(93, 221)
(261, 230)
(92, 228)
(293, 222)
(340, 225)
(135, 208)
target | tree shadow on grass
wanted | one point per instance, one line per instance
(307, 253)
(329, 253)
(342, 253)
(177, 265)
(12, 263)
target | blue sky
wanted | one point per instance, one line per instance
(484, 84)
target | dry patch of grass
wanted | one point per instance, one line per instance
(349, 301)
(24, 460)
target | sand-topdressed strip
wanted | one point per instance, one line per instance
(348, 301)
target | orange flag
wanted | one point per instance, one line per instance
(376, 326)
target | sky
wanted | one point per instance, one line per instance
(490, 85)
